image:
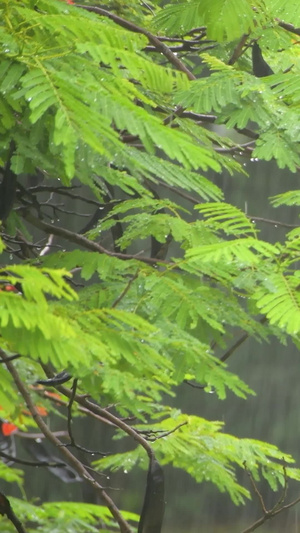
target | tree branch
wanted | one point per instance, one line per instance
(238, 343)
(237, 52)
(6, 509)
(80, 240)
(71, 459)
(128, 25)
(288, 27)
(276, 509)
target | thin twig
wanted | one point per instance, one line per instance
(273, 222)
(63, 192)
(103, 413)
(238, 343)
(31, 463)
(278, 508)
(180, 193)
(166, 433)
(282, 498)
(70, 404)
(193, 385)
(124, 292)
(257, 492)
(72, 442)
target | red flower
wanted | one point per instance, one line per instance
(7, 429)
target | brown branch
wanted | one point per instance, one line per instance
(80, 240)
(238, 51)
(72, 442)
(256, 491)
(62, 191)
(105, 415)
(70, 458)
(186, 46)
(242, 149)
(212, 118)
(10, 358)
(118, 423)
(124, 292)
(181, 193)
(6, 509)
(232, 349)
(275, 222)
(70, 404)
(288, 27)
(282, 498)
(34, 436)
(238, 343)
(166, 433)
(31, 463)
(193, 385)
(278, 507)
(128, 25)
(45, 394)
